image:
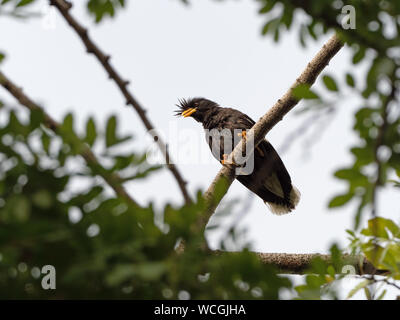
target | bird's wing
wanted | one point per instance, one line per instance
(239, 120)
(279, 169)
(226, 118)
(269, 179)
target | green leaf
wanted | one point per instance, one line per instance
(330, 83)
(268, 6)
(111, 136)
(36, 118)
(364, 155)
(2, 56)
(374, 253)
(68, 123)
(303, 91)
(24, 3)
(91, 133)
(271, 26)
(359, 55)
(315, 281)
(367, 293)
(353, 175)
(378, 227)
(350, 80)
(102, 8)
(340, 200)
(382, 295)
(351, 233)
(336, 256)
(46, 140)
(311, 31)
(358, 287)
(391, 260)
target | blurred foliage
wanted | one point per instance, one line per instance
(56, 210)
(103, 8)
(17, 9)
(380, 243)
(99, 9)
(17, 3)
(374, 41)
(320, 277)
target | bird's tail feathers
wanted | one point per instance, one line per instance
(279, 209)
(294, 196)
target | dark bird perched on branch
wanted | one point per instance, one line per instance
(269, 178)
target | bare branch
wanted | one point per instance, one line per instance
(113, 180)
(64, 8)
(267, 122)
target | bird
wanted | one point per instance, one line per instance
(269, 178)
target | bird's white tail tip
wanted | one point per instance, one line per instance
(295, 196)
(280, 209)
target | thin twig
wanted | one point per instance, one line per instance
(384, 280)
(64, 8)
(113, 180)
(268, 121)
(304, 127)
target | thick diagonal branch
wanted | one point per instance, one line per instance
(64, 8)
(112, 179)
(267, 122)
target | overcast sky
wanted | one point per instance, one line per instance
(210, 49)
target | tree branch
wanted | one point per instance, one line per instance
(64, 8)
(299, 263)
(267, 122)
(113, 180)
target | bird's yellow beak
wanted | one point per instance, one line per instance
(188, 112)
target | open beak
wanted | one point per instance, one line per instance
(188, 112)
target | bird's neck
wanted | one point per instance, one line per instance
(210, 120)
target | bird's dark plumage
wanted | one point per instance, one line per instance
(269, 179)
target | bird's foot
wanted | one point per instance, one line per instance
(226, 161)
(242, 134)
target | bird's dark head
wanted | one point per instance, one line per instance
(197, 108)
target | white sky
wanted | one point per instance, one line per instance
(209, 49)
